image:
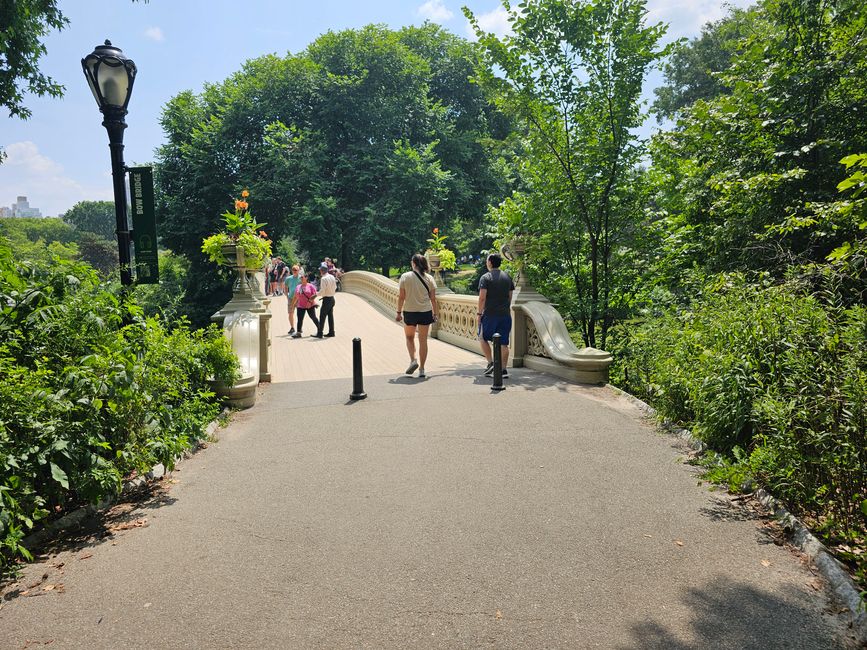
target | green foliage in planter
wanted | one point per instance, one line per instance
(773, 378)
(240, 229)
(447, 259)
(85, 400)
(256, 249)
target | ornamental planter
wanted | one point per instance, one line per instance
(434, 261)
(242, 296)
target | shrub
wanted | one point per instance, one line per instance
(773, 378)
(86, 399)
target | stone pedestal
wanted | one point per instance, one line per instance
(524, 292)
(244, 299)
(437, 272)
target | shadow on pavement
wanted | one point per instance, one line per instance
(729, 614)
(94, 530)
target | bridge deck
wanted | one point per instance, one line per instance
(383, 348)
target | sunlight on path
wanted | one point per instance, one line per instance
(382, 341)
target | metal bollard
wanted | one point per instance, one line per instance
(357, 379)
(498, 365)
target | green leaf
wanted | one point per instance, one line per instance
(60, 476)
(864, 507)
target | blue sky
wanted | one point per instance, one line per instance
(60, 155)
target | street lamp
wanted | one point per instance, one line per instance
(110, 76)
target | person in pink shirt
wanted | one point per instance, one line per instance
(306, 293)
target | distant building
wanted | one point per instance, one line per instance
(21, 208)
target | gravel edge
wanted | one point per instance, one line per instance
(72, 520)
(841, 583)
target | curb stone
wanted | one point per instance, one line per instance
(74, 519)
(841, 583)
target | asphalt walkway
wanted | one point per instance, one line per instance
(433, 514)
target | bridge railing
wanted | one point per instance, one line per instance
(540, 339)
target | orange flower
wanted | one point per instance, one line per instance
(263, 234)
(436, 231)
(245, 193)
(240, 205)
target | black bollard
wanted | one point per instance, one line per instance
(357, 379)
(498, 365)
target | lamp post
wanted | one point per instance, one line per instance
(110, 76)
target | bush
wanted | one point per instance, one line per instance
(773, 378)
(86, 399)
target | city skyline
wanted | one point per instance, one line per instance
(21, 208)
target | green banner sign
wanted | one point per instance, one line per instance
(144, 225)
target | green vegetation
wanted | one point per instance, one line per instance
(723, 262)
(85, 399)
(355, 148)
(45, 239)
(572, 74)
(774, 378)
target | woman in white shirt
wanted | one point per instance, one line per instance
(417, 308)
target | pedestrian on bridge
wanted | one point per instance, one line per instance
(495, 312)
(418, 296)
(293, 280)
(306, 293)
(327, 289)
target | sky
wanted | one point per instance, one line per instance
(60, 155)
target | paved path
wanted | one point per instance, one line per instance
(434, 514)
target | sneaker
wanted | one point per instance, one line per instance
(412, 367)
(421, 374)
(329, 335)
(489, 371)
(296, 335)
(316, 336)
(291, 331)
(505, 373)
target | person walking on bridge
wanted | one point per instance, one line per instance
(418, 295)
(327, 289)
(292, 281)
(495, 312)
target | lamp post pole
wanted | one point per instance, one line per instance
(115, 125)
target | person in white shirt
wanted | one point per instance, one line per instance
(418, 294)
(327, 289)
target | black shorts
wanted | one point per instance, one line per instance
(418, 317)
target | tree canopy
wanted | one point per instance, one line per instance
(356, 147)
(573, 73)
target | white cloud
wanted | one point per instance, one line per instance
(155, 34)
(45, 183)
(686, 17)
(435, 10)
(496, 22)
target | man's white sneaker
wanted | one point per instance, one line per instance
(412, 367)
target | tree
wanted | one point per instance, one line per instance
(573, 71)
(742, 173)
(96, 217)
(24, 24)
(355, 148)
(693, 70)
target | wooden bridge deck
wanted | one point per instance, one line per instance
(382, 341)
